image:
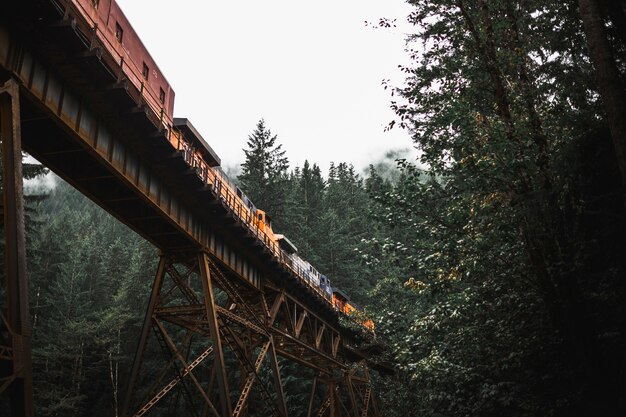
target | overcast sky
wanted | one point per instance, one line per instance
(311, 69)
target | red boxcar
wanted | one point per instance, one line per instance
(121, 40)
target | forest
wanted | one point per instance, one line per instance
(493, 266)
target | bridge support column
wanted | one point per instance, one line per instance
(15, 328)
(312, 397)
(192, 299)
(145, 333)
(332, 398)
(282, 406)
(217, 332)
(211, 315)
(347, 395)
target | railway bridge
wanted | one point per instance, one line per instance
(220, 300)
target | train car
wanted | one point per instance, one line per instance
(264, 223)
(342, 304)
(287, 250)
(120, 39)
(325, 286)
(199, 146)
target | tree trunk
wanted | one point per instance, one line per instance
(607, 79)
(114, 371)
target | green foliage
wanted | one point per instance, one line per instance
(263, 172)
(344, 225)
(87, 274)
(33, 172)
(305, 208)
(489, 255)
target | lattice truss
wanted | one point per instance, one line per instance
(210, 346)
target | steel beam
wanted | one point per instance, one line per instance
(247, 384)
(280, 394)
(350, 387)
(145, 332)
(168, 387)
(332, 404)
(18, 316)
(187, 368)
(312, 398)
(209, 303)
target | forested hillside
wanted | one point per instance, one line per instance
(90, 278)
(494, 266)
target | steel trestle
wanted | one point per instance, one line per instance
(236, 336)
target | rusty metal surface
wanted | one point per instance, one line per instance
(102, 146)
(183, 299)
(199, 316)
(214, 333)
(19, 379)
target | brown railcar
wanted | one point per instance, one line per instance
(117, 35)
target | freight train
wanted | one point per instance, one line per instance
(115, 35)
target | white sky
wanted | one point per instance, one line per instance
(311, 69)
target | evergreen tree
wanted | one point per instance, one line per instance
(306, 205)
(87, 272)
(30, 171)
(345, 224)
(264, 171)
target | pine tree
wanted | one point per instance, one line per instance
(88, 273)
(30, 171)
(345, 224)
(606, 60)
(305, 205)
(264, 172)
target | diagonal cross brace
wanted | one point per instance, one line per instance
(167, 388)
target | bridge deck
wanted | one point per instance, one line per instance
(92, 127)
(84, 119)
